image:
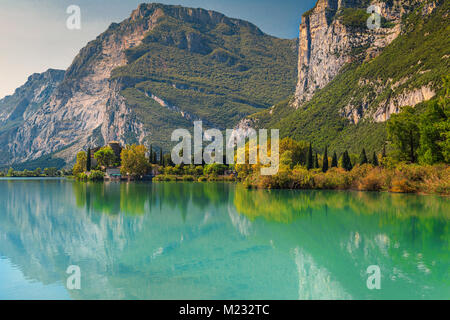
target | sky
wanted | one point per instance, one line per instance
(34, 36)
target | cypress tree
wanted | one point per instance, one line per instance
(375, 160)
(88, 160)
(151, 155)
(316, 162)
(334, 162)
(383, 155)
(309, 158)
(346, 162)
(161, 160)
(363, 157)
(325, 160)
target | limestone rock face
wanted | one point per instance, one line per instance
(326, 44)
(21, 106)
(407, 98)
(26, 98)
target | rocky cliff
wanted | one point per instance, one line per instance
(351, 79)
(23, 105)
(335, 33)
(38, 88)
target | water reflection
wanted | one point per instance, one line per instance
(212, 240)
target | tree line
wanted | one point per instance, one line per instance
(38, 172)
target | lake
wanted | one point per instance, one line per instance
(218, 241)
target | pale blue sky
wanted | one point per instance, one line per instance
(34, 36)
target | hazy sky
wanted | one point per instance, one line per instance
(34, 36)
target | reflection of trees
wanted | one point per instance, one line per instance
(419, 220)
(286, 205)
(402, 232)
(176, 240)
(139, 198)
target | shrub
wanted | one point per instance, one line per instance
(373, 181)
(414, 172)
(355, 18)
(302, 179)
(202, 179)
(335, 178)
(215, 168)
(165, 177)
(441, 187)
(82, 176)
(402, 185)
(229, 178)
(188, 178)
(96, 175)
(282, 180)
(438, 180)
(246, 183)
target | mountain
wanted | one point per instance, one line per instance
(160, 69)
(351, 79)
(24, 104)
(166, 66)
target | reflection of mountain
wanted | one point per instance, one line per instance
(174, 240)
(315, 282)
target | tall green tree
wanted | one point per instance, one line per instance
(168, 160)
(150, 157)
(375, 160)
(134, 161)
(346, 162)
(363, 157)
(10, 172)
(316, 162)
(325, 160)
(403, 132)
(309, 158)
(105, 156)
(161, 158)
(88, 160)
(51, 172)
(435, 130)
(299, 150)
(334, 161)
(80, 164)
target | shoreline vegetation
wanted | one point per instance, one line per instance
(386, 176)
(403, 178)
(415, 159)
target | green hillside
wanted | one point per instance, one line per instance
(418, 57)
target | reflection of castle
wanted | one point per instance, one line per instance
(115, 146)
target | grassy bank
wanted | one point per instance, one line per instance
(193, 178)
(402, 178)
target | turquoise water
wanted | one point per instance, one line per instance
(218, 241)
